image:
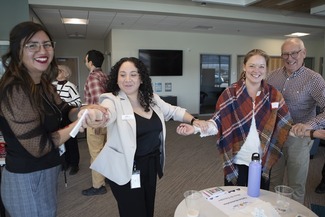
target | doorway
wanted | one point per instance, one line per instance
(214, 78)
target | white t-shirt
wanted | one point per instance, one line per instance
(250, 146)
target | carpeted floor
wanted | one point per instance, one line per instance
(318, 209)
(192, 163)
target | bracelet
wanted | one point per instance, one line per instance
(192, 121)
(312, 134)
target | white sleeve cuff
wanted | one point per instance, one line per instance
(197, 130)
(212, 129)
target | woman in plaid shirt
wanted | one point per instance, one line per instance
(251, 116)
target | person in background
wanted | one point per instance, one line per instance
(134, 153)
(303, 90)
(95, 85)
(30, 119)
(251, 117)
(69, 93)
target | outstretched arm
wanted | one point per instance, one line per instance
(185, 129)
(319, 134)
(95, 118)
(208, 128)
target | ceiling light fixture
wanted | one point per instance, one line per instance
(76, 35)
(75, 21)
(297, 34)
(284, 2)
(200, 27)
(230, 2)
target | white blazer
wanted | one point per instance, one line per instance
(115, 161)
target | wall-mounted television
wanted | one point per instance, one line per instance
(162, 62)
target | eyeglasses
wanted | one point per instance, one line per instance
(292, 54)
(36, 46)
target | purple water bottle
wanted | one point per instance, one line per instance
(254, 176)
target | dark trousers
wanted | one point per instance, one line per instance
(72, 155)
(138, 201)
(243, 178)
(323, 174)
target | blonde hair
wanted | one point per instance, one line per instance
(66, 70)
(253, 53)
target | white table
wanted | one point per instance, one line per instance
(209, 210)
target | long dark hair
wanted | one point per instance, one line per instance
(145, 89)
(16, 74)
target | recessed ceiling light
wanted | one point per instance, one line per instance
(76, 35)
(75, 21)
(297, 34)
(230, 2)
(199, 27)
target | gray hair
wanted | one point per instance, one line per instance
(66, 69)
(295, 40)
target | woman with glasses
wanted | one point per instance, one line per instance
(31, 114)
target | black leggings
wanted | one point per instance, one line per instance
(243, 178)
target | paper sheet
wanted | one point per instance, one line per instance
(236, 203)
(76, 128)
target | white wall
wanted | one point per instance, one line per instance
(78, 48)
(187, 87)
(121, 43)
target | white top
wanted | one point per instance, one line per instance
(250, 146)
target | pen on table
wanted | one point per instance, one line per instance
(219, 194)
(237, 189)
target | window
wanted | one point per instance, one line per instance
(214, 78)
(4, 45)
(220, 64)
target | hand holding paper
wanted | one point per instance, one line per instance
(76, 128)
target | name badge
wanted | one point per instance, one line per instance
(275, 105)
(127, 117)
(61, 149)
(135, 179)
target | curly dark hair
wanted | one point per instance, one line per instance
(145, 89)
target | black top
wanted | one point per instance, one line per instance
(148, 131)
(18, 159)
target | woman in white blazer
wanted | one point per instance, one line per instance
(134, 153)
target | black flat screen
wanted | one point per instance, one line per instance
(162, 62)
